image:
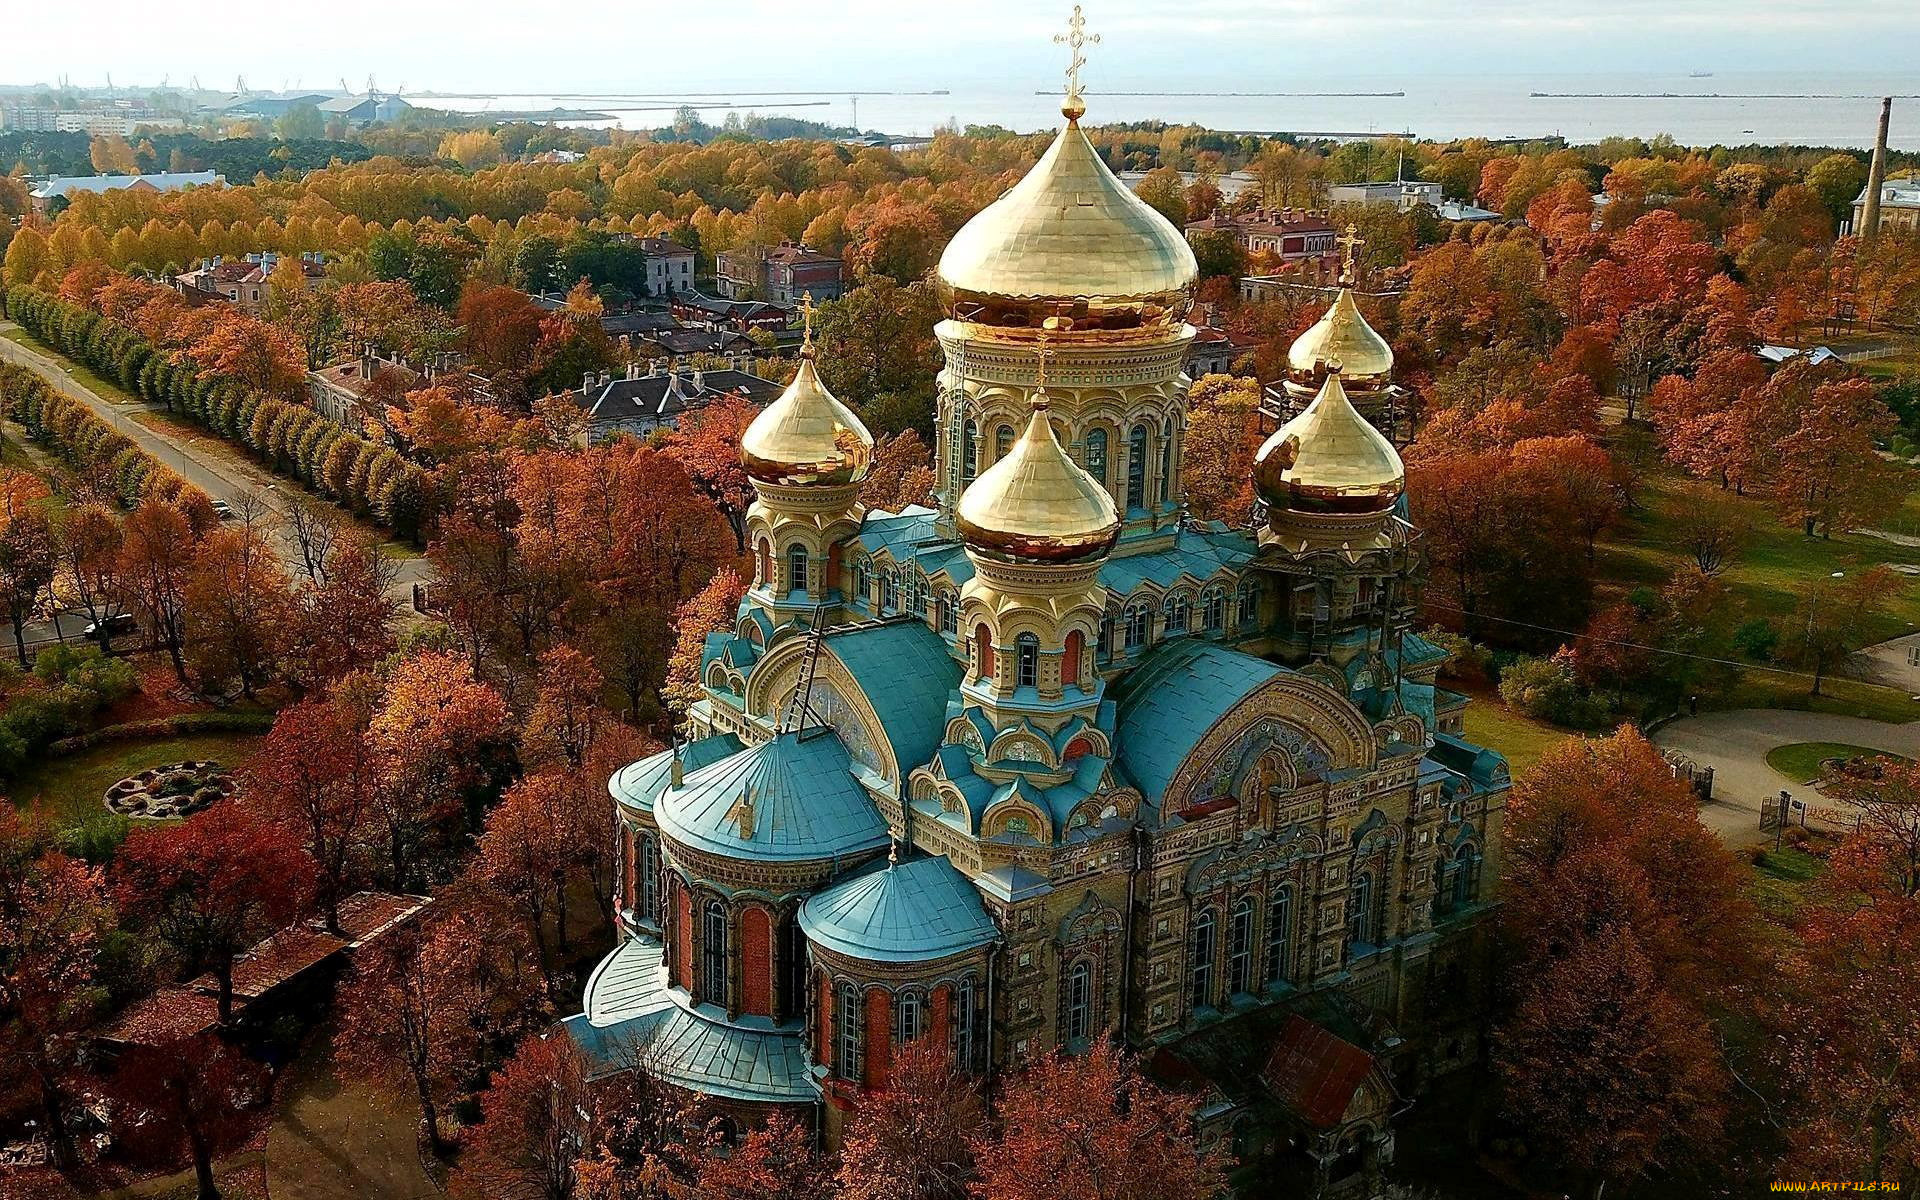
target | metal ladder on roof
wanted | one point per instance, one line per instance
(800, 707)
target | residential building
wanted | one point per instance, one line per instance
(742, 316)
(1899, 204)
(650, 398)
(1286, 233)
(243, 281)
(1403, 194)
(101, 118)
(1048, 761)
(781, 274)
(60, 187)
(359, 392)
(669, 266)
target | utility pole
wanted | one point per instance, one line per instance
(1876, 175)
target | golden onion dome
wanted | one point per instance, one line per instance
(1071, 242)
(1036, 504)
(1342, 336)
(1329, 459)
(806, 436)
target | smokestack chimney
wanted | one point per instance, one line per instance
(1876, 174)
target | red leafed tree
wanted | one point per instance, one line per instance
(156, 554)
(315, 774)
(422, 1004)
(499, 326)
(902, 473)
(915, 1137)
(708, 446)
(567, 720)
(53, 911)
(237, 610)
(1090, 1125)
(345, 622)
(214, 885)
(526, 855)
(779, 1162)
(541, 1117)
(1582, 478)
(193, 1096)
(1831, 474)
(259, 355)
(710, 610)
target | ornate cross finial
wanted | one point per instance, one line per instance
(806, 320)
(1349, 243)
(1074, 38)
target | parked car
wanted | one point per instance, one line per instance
(223, 510)
(118, 625)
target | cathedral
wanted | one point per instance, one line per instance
(1048, 760)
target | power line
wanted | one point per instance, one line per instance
(1706, 658)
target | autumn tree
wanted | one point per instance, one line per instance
(1833, 615)
(1223, 432)
(710, 610)
(1090, 1125)
(28, 553)
(1712, 530)
(155, 557)
(214, 885)
(914, 1137)
(315, 775)
(344, 621)
(707, 444)
(1831, 474)
(192, 1095)
(526, 856)
(421, 1005)
(876, 352)
(901, 474)
(88, 541)
(540, 1116)
(236, 611)
(53, 913)
(779, 1162)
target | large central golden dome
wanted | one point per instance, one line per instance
(1069, 241)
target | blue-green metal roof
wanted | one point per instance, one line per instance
(805, 803)
(631, 1016)
(1172, 698)
(1477, 763)
(903, 912)
(1201, 554)
(1419, 652)
(638, 784)
(906, 672)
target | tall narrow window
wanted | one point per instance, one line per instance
(1002, 442)
(949, 612)
(1109, 631)
(970, 452)
(1179, 608)
(1165, 483)
(1280, 935)
(1079, 1003)
(1139, 626)
(766, 565)
(890, 590)
(983, 651)
(909, 1017)
(1070, 658)
(796, 568)
(848, 1061)
(713, 954)
(1249, 605)
(1200, 948)
(794, 951)
(862, 581)
(1096, 455)
(1240, 948)
(965, 1014)
(650, 878)
(1028, 647)
(1213, 610)
(1360, 923)
(1137, 468)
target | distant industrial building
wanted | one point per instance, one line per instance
(1899, 204)
(1403, 194)
(64, 187)
(363, 109)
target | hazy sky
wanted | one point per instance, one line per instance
(841, 44)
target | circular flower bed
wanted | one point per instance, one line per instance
(175, 790)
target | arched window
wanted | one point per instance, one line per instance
(1200, 947)
(1179, 609)
(1166, 461)
(796, 568)
(713, 954)
(983, 651)
(1137, 468)
(1002, 442)
(1070, 658)
(970, 452)
(1109, 631)
(862, 580)
(650, 878)
(1240, 948)
(1079, 1003)
(1361, 930)
(1213, 610)
(949, 612)
(849, 1060)
(1280, 935)
(766, 565)
(1027, 646)
(1096, 455)
(1249, 605)
(909, 1017)
(890, 590)
(966, 1016)
(1139, 625)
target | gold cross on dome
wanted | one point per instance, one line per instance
(1075, 38)
(1349, 242)
(1040, 392)
(806, 319)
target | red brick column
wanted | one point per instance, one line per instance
(879, 1036)
(756, 963)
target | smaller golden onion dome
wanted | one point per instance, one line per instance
(1036, 504)
(1329, 459)
(1342, 336)
(806, 436)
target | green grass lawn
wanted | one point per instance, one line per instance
(1799, 762)
(1780, 879)
(1522, 739)
(72, 789)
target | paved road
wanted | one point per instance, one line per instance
(1735, 745)
(222, 478)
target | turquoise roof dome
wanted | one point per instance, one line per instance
(904, 912)
(792, 798)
